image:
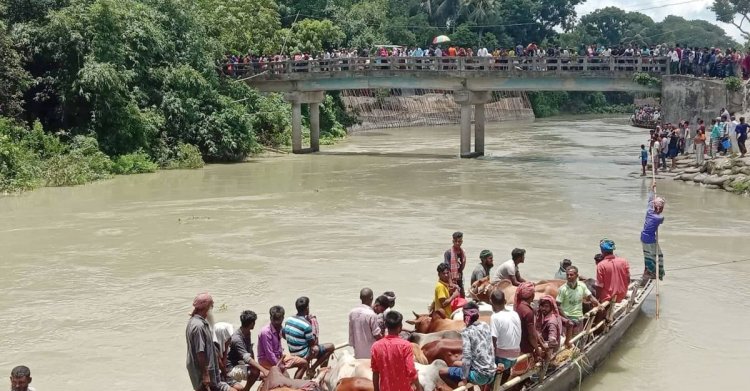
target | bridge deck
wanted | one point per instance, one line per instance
(454, 73)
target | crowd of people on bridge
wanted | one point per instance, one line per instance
(222, 357)
(702, 62)
(725, 136)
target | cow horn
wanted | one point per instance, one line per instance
(415, 314)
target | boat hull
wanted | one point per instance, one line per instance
(568, 376)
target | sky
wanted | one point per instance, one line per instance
(658, 10)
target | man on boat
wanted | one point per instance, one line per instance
(530, 339)
(381, 308)
(455, 257)
(549, 325)
(612, 274)
(508, 270)
(570, 298)
(505, 327)
(485, 265)
(301, 333)
(20, 378)
(241, 350)
(561, 272)
(391, 301)
(392, 359)
(270, 352)
(364, 329)
(478, 361)
(445, 292)
(202, 362)
(650, 237)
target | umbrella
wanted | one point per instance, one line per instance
(441, 39)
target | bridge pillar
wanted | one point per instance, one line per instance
(467, 99)
(313, 99)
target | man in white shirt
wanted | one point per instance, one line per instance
(364, 328)
(505, 328)
(508, 270)
(730, 129)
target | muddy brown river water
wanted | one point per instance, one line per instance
(97, 281)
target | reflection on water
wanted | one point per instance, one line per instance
(97, 280)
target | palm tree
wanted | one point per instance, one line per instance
(478, 11)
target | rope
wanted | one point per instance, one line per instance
(704, 266)
(658, 249)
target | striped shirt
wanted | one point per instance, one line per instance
(299, 333)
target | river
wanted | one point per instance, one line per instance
(97, 281)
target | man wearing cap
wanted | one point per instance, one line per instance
(483, 269)
(202, 363)
(650, 237)
(612, 274)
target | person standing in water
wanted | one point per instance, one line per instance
(650, 236)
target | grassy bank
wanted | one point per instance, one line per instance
(548, 104)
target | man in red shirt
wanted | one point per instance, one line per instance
(392, 359)
(612, 274)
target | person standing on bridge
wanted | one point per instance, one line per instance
(455, 257)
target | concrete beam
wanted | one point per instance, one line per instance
(524, 81)
(305, 96)
(472, 97)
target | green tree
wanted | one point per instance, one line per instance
(243, 25)
(14, 80)
(465, 37)
(311, 36)
(730, 11)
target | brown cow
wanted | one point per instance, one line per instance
(448, 350)
(481, 289)
(434, 322)
(355, 384)
(418, 355)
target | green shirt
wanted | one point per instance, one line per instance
(571, 300)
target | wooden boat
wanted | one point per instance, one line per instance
(594, 349)
(644, 124)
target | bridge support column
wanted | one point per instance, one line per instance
(479, 129)
(313, 99)
(467, 99)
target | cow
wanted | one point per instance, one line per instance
(355, 384)
(343, 366)
(429, 376)
(447, 350)
(418, 355)
(434, 322)
(481, 289)
(423, 339)
(275, 380)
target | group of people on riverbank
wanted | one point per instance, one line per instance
(645, 115)
(221, 358)
(727, 135)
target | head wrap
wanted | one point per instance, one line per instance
(202, 302)
(607, 245)
(524, 291)
(484, 254)
(553, 316)
(659, 203)
(222, 333)
(391, 297)
(470, 316)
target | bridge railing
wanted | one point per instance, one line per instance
(511, 65)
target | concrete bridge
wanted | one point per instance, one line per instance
(472, 80)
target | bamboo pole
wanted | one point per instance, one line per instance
(656, 258)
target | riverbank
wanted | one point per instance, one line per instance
(727, 173)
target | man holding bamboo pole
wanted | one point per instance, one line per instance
(650, 237)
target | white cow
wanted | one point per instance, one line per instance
(345, 365)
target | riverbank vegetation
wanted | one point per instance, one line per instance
(95, 88)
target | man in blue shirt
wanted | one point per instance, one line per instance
(650, 237)
(301, 334)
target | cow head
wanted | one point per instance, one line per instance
(421, 322)
(429, 375)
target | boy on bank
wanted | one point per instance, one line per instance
(644, 159)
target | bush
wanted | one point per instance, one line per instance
(20, 166)
(733, 83)
(185, 156)
(133, 163)
(84, 163)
